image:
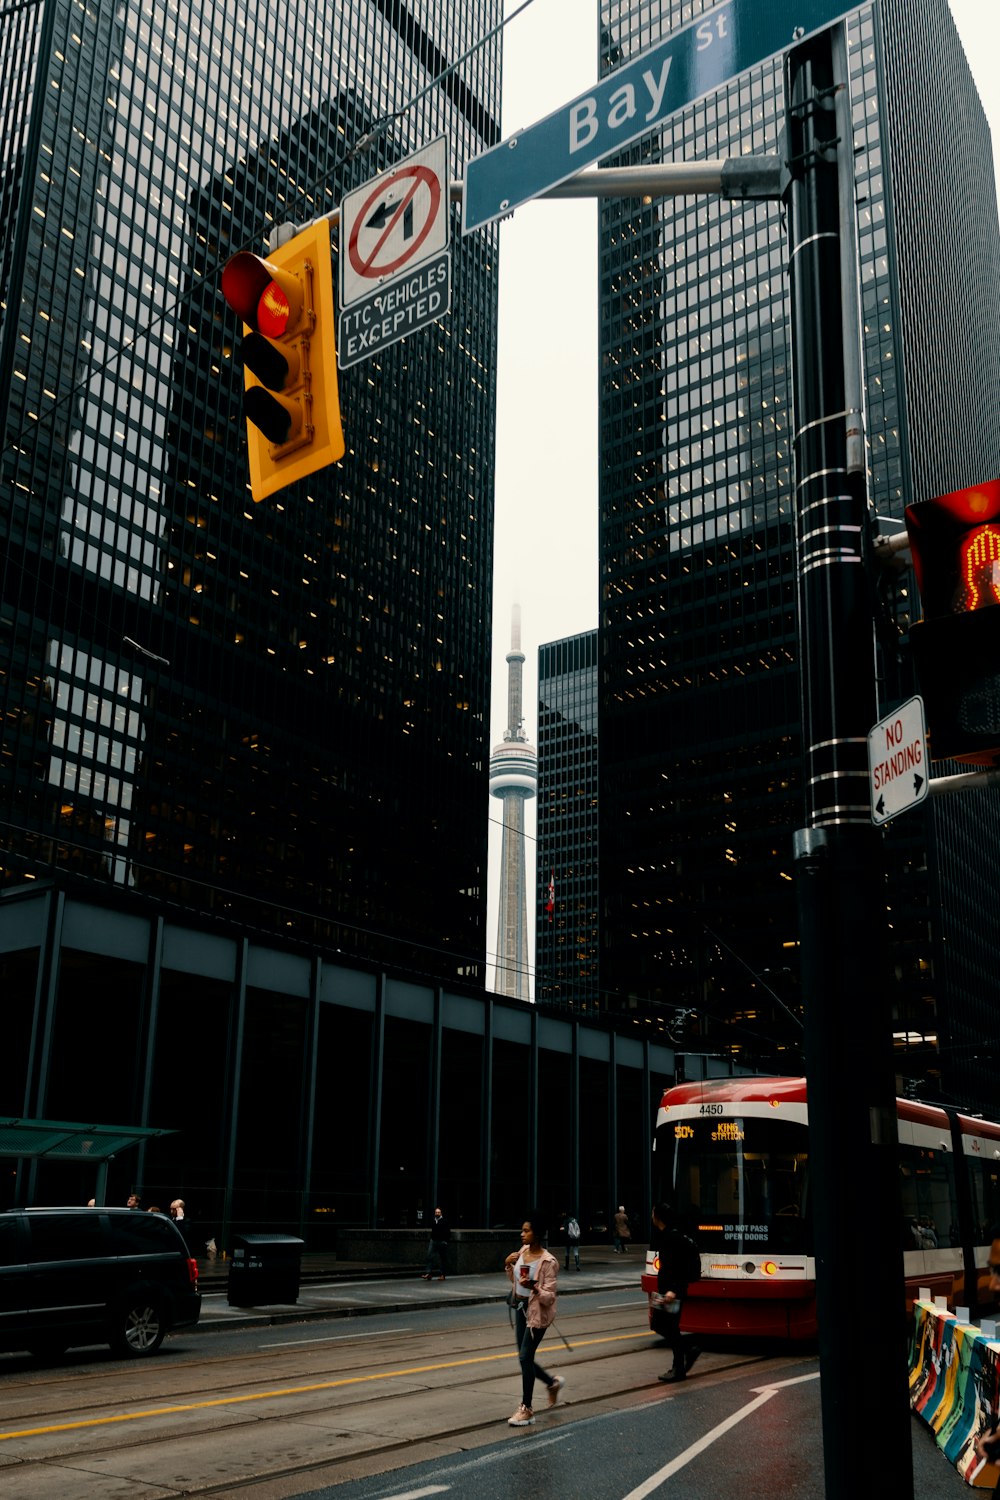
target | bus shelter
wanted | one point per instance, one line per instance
(63, 1140)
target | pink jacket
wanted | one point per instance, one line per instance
(541, 1307)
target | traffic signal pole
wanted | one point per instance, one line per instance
(854, 1174)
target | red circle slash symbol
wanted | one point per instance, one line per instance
(387, 216)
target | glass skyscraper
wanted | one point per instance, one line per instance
(275, 713)
(243, 769)
(700, 716)
(566, 929)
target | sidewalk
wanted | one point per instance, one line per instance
(344, 1289)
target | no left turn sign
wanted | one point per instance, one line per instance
(394, 223)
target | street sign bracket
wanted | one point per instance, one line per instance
(969, 781)
(736, 178)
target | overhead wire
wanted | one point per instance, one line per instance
(382, 124)
(621, 1002)
(197, 282)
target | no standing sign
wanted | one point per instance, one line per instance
(897, 761)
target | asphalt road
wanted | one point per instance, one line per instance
(413, 1399)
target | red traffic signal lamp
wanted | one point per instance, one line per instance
(289, 358)
(955, 544)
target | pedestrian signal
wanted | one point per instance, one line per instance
(289, 358)
(955, 544)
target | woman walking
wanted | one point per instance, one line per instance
(533, 1273)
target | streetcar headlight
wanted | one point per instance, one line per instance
(768, 1268)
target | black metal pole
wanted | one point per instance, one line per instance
(854, 1174)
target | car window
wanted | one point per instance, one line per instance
(68, 1237)
(143, 1234)
(9, 1249)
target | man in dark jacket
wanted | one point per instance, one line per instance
(679, 1263)
(437, 1247)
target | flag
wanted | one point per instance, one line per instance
(550, 904)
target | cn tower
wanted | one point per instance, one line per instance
(513, 778)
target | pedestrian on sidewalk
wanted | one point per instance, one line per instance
(437, 1248)
(179, 1214)
(533, 1272)
(679, 1265)
(623, 1230)
(570, 1227)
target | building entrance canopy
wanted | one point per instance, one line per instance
(63, 1140)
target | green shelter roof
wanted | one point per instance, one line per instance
(63, 1140)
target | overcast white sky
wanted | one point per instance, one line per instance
(546, 469)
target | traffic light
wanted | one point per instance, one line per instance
(289, 358)
(955, 543)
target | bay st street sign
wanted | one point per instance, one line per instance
(629, 102)
(897, 761)
(395, 254)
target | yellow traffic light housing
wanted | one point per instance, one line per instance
(289, 358)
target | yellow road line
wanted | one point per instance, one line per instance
(293, 1390)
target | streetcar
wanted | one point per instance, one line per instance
(732, 1156)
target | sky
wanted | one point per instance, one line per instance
(546, 458)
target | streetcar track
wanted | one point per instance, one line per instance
(111, 1368)
(358, 1456)
(492, 1428)
(597, 1336)
(241, 1389)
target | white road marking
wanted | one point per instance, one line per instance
(516, 1448)
(337, 1338)
(432, 1489)
(509, 1450)
(779, 1385)
(763, 1395)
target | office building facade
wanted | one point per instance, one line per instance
(567, 888)
(303, 1091)
(700, 715)
(263, 718)
(274, 712)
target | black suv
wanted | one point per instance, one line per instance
(93, 1275)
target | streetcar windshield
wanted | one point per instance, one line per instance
(740, 1184)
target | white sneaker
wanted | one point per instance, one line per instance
(555, 1388)
(523, 1417)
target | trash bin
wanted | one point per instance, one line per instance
(264, 1268)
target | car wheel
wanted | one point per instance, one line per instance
(138, 1328)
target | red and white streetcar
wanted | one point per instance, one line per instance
(732, 1156)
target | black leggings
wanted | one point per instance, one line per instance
(528, 1340)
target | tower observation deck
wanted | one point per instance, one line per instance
(513, 779)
